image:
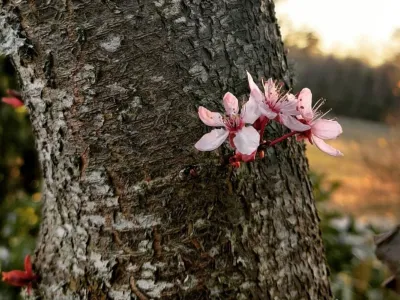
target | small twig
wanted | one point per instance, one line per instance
(264, 123)
(276, 141)
(136, 291)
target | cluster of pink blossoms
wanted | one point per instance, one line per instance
(245, 130)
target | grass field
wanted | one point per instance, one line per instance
(362, 192)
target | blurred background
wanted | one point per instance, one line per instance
(19, 184)
(346, 51)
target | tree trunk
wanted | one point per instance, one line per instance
(113, 89)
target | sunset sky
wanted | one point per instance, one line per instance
(346, 27)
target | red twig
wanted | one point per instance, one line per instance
(278, 140)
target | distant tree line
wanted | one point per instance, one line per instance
(352, 87)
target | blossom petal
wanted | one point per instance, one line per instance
(288, 105)
(28, 265)
(231, 104)
(16, 278)
(293, 124)
(212, 140)
(210, 118)
(267, 111)
(326, 129)
(271, 91)
(13, 101)
(304, 104)
(255, 92)
(321, 145)
(250, 111)
(247, 140)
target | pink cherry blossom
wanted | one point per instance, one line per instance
(321, 129)
(241, 137)
(276, 105)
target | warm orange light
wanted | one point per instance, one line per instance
(342, 30)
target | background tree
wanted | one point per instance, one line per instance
(112, 92)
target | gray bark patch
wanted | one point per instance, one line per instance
(10, 42)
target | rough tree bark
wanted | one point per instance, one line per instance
(112, 88)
